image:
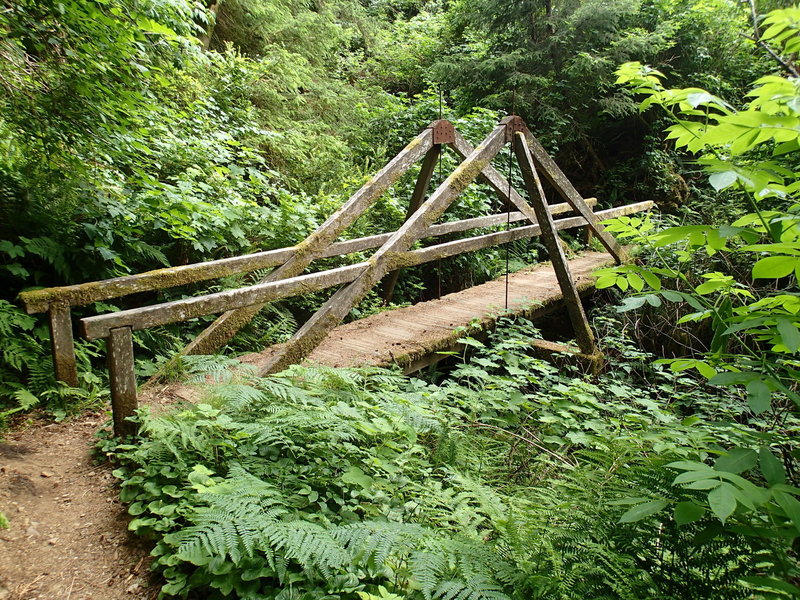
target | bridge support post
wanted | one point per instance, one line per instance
(572, 300)
(123, 380)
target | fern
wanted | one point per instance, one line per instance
(329, 482)
(50, 251)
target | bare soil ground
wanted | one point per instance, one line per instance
(68, 537)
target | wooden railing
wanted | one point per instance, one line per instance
(288, 280)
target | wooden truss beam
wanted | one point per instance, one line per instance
(572, 300)
(226, 326)
(544, 162)
(342, 302)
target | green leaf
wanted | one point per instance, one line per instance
(704, 484)
(636, 282)
(737, 460)
(719, 181)
(774, 267)
(759, 396)
(631, 303)
(791, 506)
(640, 511)
(771, 467)
(25, 399)
(358, 477)
(770, 584)
(687, 512)
(734, 378)
(651, 279)
(653, 300)
(722, 501)
(790, 336)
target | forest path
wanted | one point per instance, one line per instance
(68, 537)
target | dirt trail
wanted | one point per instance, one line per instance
(67, 538)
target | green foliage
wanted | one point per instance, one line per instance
(553, 63)
(755, 327)
(26, 370)
(510, 480)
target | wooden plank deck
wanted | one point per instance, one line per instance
(410, 336)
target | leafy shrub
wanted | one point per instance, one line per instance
(510, 480)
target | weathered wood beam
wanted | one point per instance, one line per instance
(572, 300)
(376, 241)
(81, 294)
(225, 327)
(417, 197)
(490, 175)
(123, 380)
(385, 258)
(189, 308)
(551, 171)
(96, 291)
(62, 345)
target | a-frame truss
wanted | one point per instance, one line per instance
(422, 214)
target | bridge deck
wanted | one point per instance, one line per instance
(409, 336)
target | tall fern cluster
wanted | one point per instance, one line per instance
(509, 480)
(26, 369)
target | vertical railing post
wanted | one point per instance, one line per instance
(587, 235)
(62, 344)
(123, 380)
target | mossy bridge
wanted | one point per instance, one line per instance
(410, 336)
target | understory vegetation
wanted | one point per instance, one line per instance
(511, 479)
(141, 134)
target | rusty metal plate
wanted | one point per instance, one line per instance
(513, 124)
(443, 132)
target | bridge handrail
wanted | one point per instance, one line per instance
(181, 310)
(81, 294)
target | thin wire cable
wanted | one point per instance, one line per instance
(438, 260)
(508, 201)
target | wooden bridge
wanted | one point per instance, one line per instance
(406, 336)
(415, 336)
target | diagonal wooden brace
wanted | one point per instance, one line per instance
(343, 301)
(499, 183)
(572, 300)
(226, 325)
(543, 161)
(417, 197)
(490, 175)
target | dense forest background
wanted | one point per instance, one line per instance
(136, 134)
(145, 134)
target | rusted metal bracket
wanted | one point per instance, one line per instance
(443, 132)
(513, 124)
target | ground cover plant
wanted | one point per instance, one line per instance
(509, 480)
